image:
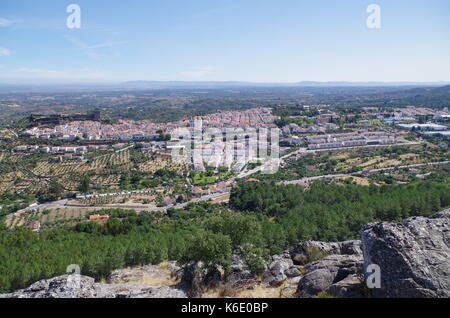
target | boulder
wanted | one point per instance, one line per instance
(197, 278)
(240, 275)
(349, 287)
(293, 271)
(124, 276)
(328, 271)
(413, 256)
(273, 279)
(276, 273)
(339, 265)
(176, 271)
(314, 282)
(78, 286)
(309, 251)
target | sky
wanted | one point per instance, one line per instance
(224, 40)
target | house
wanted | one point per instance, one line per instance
(159, 189)
(96, 217)
(20, 148)
(168, 201)
(198, 191)
(294, 140)
(35, 226)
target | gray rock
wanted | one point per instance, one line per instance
(413, 256)
(349, 287)
(339, 265)
(309, 251)
(197, 278)
(176, 271)
(274, 279)
(314, 282)
(275, 275)
(240, 275)
(78, 286)
(293, 272)
(280, 266)
(123, 275)
(328, 271)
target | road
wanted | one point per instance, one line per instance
(331, 176)
(70, 204)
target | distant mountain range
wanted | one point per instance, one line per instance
(218, 84)
(144, 85)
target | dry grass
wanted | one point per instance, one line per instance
(339, 156)
(223, 199)
(157, 276)
(255, 290)
(358, 180)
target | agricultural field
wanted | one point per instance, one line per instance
(389, 157)
(7, 134)
(349, 161)
(49, 218)
(34, 173)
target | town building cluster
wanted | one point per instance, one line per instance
(410, 114)
(232, 154)
(413, 111)
(124, 130)
(308, 129)
(349, 139)
(427, 126)
(254, 117)
(66, 153)
(234, 145)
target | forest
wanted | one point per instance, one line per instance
(261, 219)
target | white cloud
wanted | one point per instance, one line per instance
(5, 22)
(4, 51)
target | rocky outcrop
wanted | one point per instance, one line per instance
(334, 271)
(309, 251)
(282, 269)
(239, 270)
(78, 286)
(413, 256)
(349, 287)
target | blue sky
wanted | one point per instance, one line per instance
(221, 40)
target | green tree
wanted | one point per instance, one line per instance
(210, 248)
(84, 184)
